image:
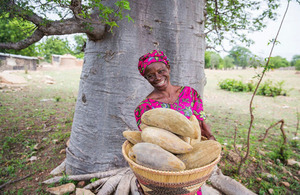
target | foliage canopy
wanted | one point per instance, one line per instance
(231, 20)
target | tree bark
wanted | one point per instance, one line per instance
(111, 86)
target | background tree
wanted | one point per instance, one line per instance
(230, 21)
(53, 45)
(228, 62)
(241, 56)
(295, 59)
(216, 61)
(213, 60)
(297, 64)
(110, 87)
(278, 61)
(78, 48)
(207, 59)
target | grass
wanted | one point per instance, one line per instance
(40, 115)
(35, 116)
(229, 110)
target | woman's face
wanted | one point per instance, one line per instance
(158, 75)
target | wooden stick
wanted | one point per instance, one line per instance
(124, 185)
(96, 183)
(111, 184)
(86, 176)
(133, 187)
(281, 128)
(14, 181)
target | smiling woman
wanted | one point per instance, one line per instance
(155, 68)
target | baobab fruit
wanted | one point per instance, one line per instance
(154, 157)
(133, 137)
(165, 139)
(195, 124)
(202, 154)
(170, 120)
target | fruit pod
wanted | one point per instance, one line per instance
(195, 124)
(170, 120)
(165, 139)
(154, 157)
(202, 154)
(133, 137)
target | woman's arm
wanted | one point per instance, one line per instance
(205, 130)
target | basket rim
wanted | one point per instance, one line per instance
(184, 172)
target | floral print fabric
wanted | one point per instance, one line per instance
(188, 103)
(149, 58)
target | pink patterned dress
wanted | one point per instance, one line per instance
(188, 103)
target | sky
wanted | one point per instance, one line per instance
(289, 35)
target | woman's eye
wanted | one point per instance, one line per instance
(161, 71)
(149, 77)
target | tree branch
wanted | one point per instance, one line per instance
(281, 128)
(75, 6)
(254, 93)
(35, 37)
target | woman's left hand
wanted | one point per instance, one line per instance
(212, 138)
(205, 131)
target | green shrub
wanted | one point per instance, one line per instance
(270, 89)
(265, 89)
(297, 64)
(233, 85)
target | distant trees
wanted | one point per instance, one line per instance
(228, 62)
(15, 29)
(295, 58)
(243, 57)
(296, 62)
(60, 46)
(278, 61)
(53, 45)
(213, 60)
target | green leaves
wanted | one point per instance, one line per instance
(266, 89)
(229, 20)
(14, 29)
(109, 15)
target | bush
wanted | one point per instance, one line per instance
(265, 89)
(233, 85)
(268, 89)
(297, 65)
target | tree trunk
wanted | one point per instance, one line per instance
(111, 86)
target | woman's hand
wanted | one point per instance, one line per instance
(205, 131)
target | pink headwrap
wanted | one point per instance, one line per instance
(149, 58)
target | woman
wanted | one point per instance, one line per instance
(155, 68)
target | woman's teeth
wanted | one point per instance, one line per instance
(161, 83)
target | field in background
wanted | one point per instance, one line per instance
(236, 105)
(229, 110)
(35, 121)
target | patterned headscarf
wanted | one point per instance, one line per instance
(149, 58)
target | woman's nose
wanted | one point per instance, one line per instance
(157, 76)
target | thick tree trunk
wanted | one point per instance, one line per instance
(111, 86)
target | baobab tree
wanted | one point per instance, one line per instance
(110, 85)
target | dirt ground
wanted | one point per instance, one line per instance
(36, 120)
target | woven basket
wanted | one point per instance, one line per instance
(169, 182)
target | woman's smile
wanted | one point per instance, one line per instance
(161, 83)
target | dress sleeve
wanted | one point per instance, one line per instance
(139, 111)
(198, 106)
